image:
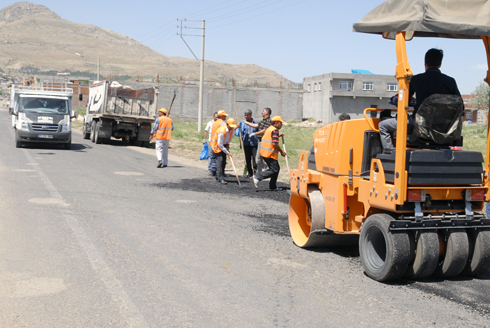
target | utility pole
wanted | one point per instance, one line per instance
(201, 81)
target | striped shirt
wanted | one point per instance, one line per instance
(263, 125)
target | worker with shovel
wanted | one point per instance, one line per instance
(220, 121)
(162, 131)
(220, 144)
(269, 149)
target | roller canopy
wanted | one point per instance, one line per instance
(461, 19)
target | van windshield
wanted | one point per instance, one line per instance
(43, 105)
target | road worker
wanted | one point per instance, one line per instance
(217, 123)
(162, 131)
(269, 149)
(261, 127)
(220, 144)
(207, 139)
(250, 142)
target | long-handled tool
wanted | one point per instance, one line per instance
(234, 169)
(170, 108)
(284, 145)
(240, 133)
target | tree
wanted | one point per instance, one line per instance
(480, 97)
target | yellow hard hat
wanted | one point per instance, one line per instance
(231, 122)
(163, 110)
(277, 119)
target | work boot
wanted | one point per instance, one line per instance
(164, 165)
(159, 164)
(223, 182)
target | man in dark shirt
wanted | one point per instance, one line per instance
(423, 86)
(262, 126)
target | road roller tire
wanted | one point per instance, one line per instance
(307, 216)
(424, 255)
(384, 254)
(479, 253)
(455, 259)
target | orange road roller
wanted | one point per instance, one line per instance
(415, 211)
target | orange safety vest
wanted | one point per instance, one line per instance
(215, 127)
(267, 149)
(214, 140)
(164, 130)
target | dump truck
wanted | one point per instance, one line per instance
(41, 114)
(413, 212)
(119, 112)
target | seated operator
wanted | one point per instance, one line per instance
(423, 85)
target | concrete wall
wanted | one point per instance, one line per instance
(287, 103)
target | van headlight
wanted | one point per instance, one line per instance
(23, 124)
(65, 126)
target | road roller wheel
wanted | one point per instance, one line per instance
(307, 216)
(384, 254)
(425, 254)
(455, 259)
(479, 254)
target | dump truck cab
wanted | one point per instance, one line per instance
(415, 211)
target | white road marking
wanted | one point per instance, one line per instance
(128, 173)
(115, 288)
(48, 201)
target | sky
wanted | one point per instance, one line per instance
(295, 38)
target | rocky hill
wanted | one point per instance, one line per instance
(33, 39)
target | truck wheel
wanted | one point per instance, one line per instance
(18, 143)
(92, 131)
(86, 134)
(425, 254)
(97, 138)
(384, 254)
(457, 250)
(479, 255)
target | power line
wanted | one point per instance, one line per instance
(271, 11)
(241, 11)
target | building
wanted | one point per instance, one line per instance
(327, 96)
(473, 115)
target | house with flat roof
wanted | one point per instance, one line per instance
(329, 95)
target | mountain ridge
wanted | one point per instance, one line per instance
(33, 36)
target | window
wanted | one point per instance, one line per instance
(309, 87)
(316, 87)
(392, 87)
(345, 85)
(469, 115)
(367, 85)
(319, 86)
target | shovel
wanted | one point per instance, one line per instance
(284, 145)
(234, 169)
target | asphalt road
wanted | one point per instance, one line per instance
(97, 236)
